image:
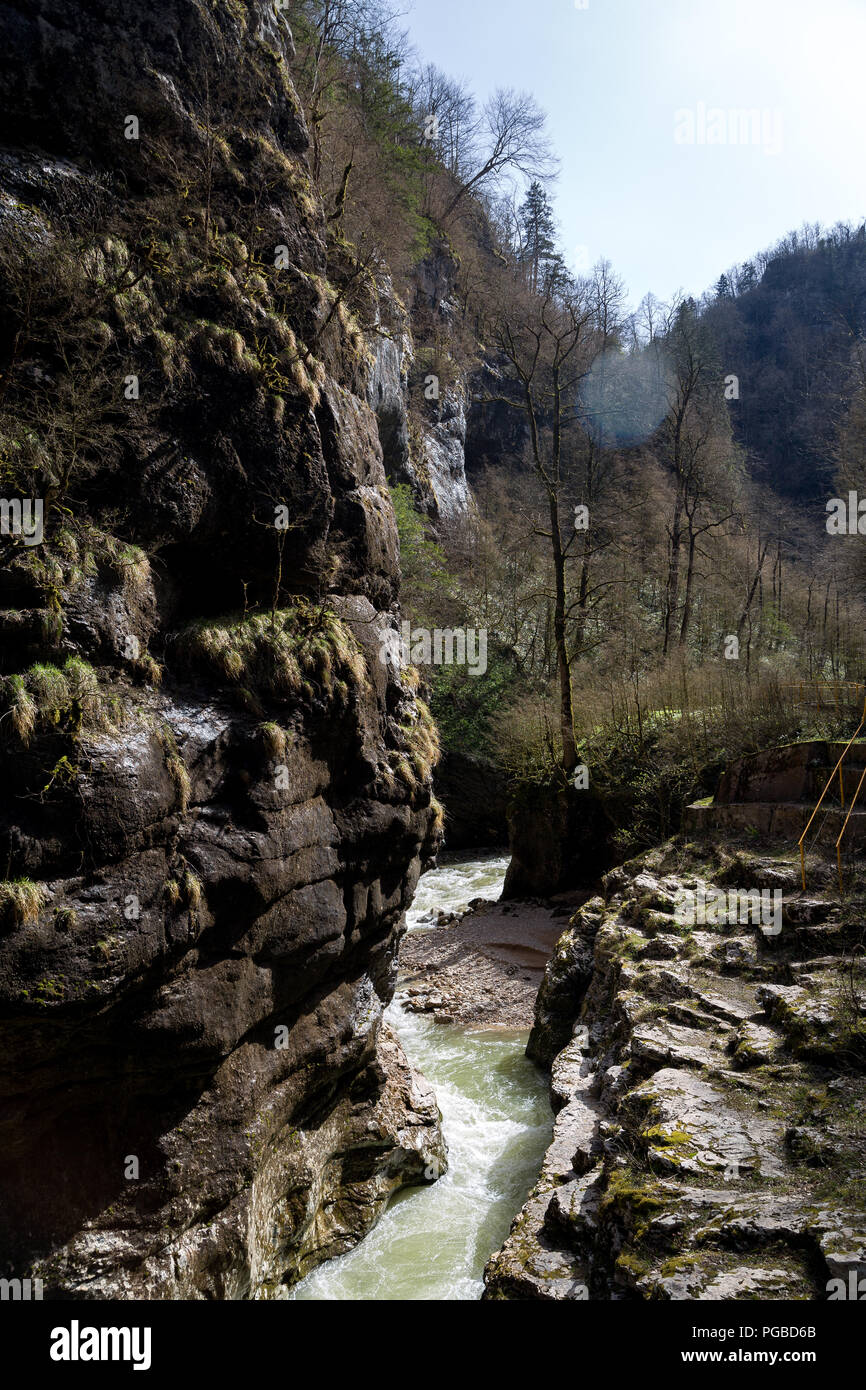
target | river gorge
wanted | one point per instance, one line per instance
(351, 533)
(433, 1243)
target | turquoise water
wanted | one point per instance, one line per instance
(433, 1242)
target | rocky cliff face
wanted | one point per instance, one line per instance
(421, 416)
(708, 1084)
(559, 840)
(474, 794)
(216, 792)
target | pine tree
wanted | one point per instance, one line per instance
(543, 263)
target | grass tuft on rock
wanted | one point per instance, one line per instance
(176, 766)
(48, 696)
(290, 652)
(421, 739)
(21, 900)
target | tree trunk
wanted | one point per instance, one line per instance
(582, 596)
(741, 624)
(673, 585)
(687, 603)
(563, 665)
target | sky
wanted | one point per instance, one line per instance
(656, 174)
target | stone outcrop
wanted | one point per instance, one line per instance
(443, 453)
(495, 430)
(393, 354)
(776, 791)
(560, 839)
(475, 794)
(216, 793)
(421, 418)
(708, 1084)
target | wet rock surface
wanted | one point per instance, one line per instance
(204, 886)
(710, 1097)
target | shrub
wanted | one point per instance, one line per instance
(285, 653)
(21, 900)
(651, 752)
(47, 696)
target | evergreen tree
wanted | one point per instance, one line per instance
(543, 263)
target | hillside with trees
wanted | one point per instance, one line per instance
(646, 528)
(790, 324)
(345, 522)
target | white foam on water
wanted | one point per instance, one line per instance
(454, 883)
(433, 1242)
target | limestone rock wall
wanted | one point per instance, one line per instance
(422, 414)
(216, 798)
(708, 1086)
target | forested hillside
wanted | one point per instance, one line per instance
(790, 324)
(645, 540)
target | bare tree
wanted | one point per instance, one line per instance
(543, 346)
(513, 138)
(337, 29)
(686, 436)
(606, 299)
(449, 107)
(707, 505)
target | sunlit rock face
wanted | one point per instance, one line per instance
(199, 1097)
(422, 419)
(707, 1082)
(445, 455)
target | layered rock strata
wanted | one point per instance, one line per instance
(216, 789)
(707, 1074)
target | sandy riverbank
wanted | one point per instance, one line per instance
(482, 969)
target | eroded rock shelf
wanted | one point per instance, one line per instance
(709, 1136)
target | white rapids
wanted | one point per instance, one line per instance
(433, 1242)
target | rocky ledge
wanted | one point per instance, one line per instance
(708, 1083)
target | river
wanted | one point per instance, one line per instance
(433, 1242)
